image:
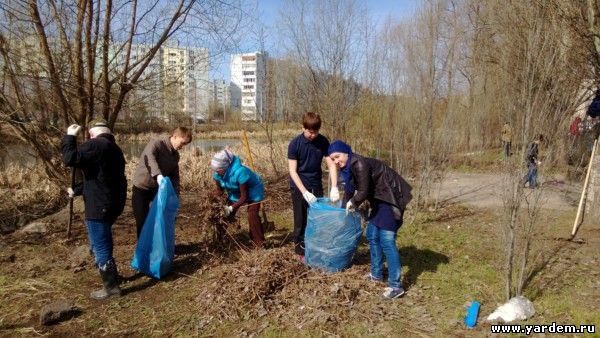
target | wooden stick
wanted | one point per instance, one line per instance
(71, 204)
(578, 218)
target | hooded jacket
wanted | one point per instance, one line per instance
(236, 175)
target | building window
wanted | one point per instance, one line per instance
(172, 54)
(249, 79)
(248, 72)
(249, 58)
(249, 87)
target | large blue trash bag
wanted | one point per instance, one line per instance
(331, 236)
(155, 249)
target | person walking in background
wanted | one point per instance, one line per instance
(532, 162)
(506, 139)
(305, 155)
(243, 186)
(159, 159)
(104, 190)
(388, 193)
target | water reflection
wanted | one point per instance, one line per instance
(134, 149)
(22, 155)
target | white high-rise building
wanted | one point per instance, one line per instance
(248, 84)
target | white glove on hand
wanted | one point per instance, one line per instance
(73, 130)
(70, 192)
(349, 207)
(228, 210)
(159, 178)
(309, 197)
(334, 194)
(539, 162)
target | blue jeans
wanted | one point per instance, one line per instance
(383, 242)
(531, 176)
(100, 236)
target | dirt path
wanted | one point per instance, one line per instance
(485, 191)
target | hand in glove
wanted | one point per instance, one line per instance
(334, 194)
(350, 207)
(73, 130)
(159, 178)
(228, 210)
(70, 192)
(309, 197)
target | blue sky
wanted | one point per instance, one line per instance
(268, 12)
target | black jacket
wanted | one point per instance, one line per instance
(373, 179)
(104, 182)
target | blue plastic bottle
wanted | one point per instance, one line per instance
(472, 313)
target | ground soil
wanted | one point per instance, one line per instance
(224, 288)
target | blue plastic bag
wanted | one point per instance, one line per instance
(155, 248)
(331, 236)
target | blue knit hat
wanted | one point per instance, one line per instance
(339, 147)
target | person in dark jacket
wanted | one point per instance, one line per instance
(104, 191)
(243, 186)
(160, 158)
(532, 162)
(387, 192)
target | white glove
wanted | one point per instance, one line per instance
(228, 210)
(73, 129)
(159, 178)
(539, 162)
(349, 207)
(70, 192)
(309, 197)
(334, 194)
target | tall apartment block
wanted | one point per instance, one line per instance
(221, 93)
(248, 84)
(186, 87)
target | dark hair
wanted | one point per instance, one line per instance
(183, 132)
(311, 121)
(540, 137)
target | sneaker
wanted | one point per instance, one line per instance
(372, 278)
(391, 293)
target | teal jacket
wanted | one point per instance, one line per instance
(236, 175)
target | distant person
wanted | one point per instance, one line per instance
(533, 162)
(159, 159)
(506, 139)
(104, 190)
(370, 179)
(305, 155)
(243, 186)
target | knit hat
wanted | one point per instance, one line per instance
(97, 122)
(339, 147)
(221, 160)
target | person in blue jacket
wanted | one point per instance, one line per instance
(243, 186)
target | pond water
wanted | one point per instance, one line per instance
(23, 156)
(134, 149)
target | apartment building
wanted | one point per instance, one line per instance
(221, 93)
(248, 84)
(186, 87)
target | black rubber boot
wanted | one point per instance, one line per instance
(109, 276)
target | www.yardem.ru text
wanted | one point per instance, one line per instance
(548, 328)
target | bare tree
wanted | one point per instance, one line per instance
(65, 62)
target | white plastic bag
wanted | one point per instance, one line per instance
(517, 308)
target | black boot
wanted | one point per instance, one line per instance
(109, 275)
